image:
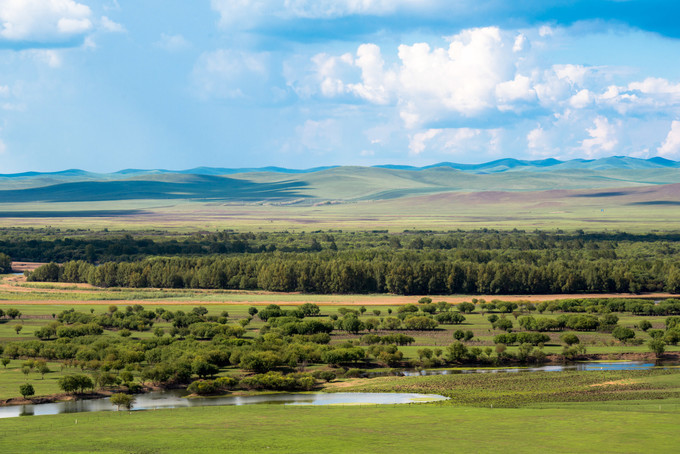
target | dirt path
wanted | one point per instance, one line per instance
(342, 300)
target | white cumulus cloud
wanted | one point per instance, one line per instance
(418, 141)
(670, 148)
(43, 21)
(112, 27)
(603, 138)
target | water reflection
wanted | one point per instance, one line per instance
(592, 366)
(176, 399)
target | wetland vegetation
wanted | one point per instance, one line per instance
(123, 318)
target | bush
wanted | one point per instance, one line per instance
(261, 361)
(278, 381)
(26, 390)
(325, 375)
(450, 318)
(657, 346)
(420, 323)
(623, 334)
(503, 323)
(398, 339)
(645, 325)
(570, 339)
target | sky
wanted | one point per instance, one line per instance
(104, 85)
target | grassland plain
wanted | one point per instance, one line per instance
(632, 427)
(395, 215)
(633, 411)
(599, 345)
(630, 209)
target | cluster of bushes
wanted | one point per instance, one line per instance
(11, 313)
(397, 339)
(636, 306)
(220, 385)
(572, 322)
(278, 381)
(388, 355)
(521, 338)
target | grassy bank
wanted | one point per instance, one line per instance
(406, 428)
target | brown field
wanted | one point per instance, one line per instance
(20, 267)
(263, 299)
(639, 208)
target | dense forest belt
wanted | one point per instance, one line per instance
(408, 263)
(399, 273)
(55, 245)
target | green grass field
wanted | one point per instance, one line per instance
(631, 427)
(610, 411)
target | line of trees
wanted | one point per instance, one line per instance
(400, 273)
(45, 245)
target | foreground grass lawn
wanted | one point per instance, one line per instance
(406, 428)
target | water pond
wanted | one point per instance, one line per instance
(586, 366)
(176, 399)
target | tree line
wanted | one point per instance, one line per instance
(401, 272)
(54, 245)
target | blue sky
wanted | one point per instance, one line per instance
(112, 84)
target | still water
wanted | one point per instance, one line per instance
(175, 399)
(591, 366)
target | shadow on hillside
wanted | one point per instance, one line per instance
(201, 187)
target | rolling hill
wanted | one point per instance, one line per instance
(616, 192)
(340, 184)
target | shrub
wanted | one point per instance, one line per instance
(623, 334)
(570, 338)
(280, 382)
(450, 318)
(420, 323)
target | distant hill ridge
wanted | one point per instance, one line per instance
(497, 166)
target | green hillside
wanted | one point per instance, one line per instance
(335, 184)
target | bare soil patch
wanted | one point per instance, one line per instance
(624, 382)
(20, 267)
(347, 383)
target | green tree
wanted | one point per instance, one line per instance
(43, 369)
(26, 390)
(122, 400)
(5, 362)
(503, 323)
(657, 346)
(203, 368)
(13, 313)
(623, 334)
(18, 328)
(457, 352)
(352, 324)
(466, 307)
(644, 325)
(570, 338)
(5, 263)
(75, 383)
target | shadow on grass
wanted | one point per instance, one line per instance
(201, 187)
